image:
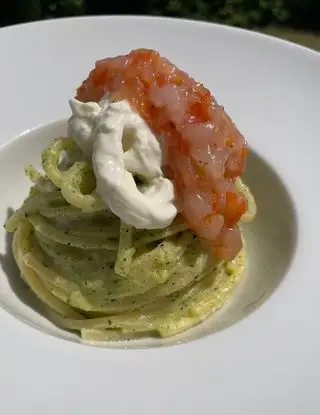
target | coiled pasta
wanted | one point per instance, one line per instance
(100, 276)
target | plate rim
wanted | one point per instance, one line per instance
(19, 26)
(18, 329)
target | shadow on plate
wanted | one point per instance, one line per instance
(271, 242)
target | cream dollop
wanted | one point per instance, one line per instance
(124, 152)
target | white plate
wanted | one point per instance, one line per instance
(267, 362)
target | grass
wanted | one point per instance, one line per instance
(311, 40)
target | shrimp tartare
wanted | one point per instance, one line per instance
(205, 152)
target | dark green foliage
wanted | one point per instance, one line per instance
(63, 7)
(305, 14)
(116, 7)
(244, 13)
(19, 11)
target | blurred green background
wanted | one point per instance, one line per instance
(296, 20)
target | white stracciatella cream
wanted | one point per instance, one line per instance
(123, 148)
